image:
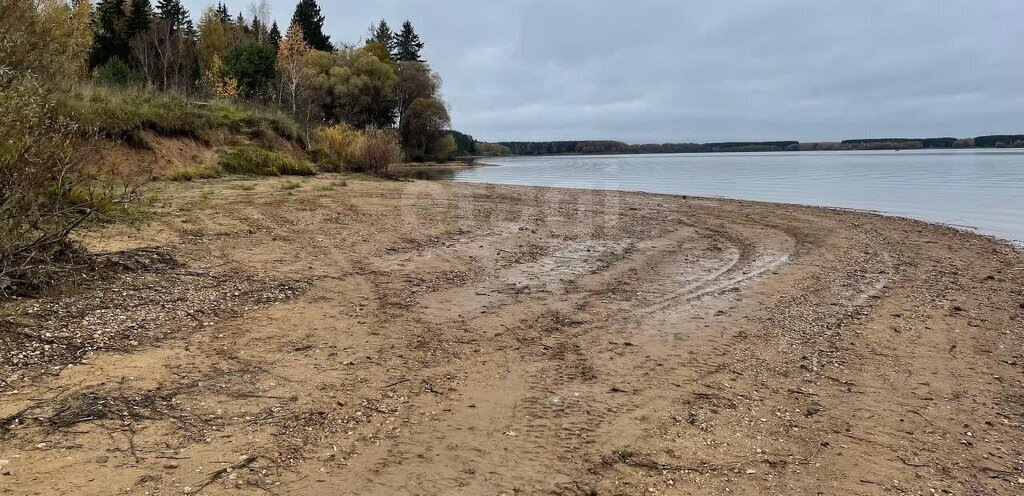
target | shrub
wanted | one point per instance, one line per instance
(117, 73)
(255, 161)
(337, 146)
(444, 148)
(193, 173)
(254, 66)
(371, 150)
(46, 190)
(290, 167)
(378, 150)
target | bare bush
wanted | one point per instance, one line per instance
(371, 150)
(379, 149)
(46, 190)
(337, 146)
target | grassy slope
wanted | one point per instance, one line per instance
(124, 113)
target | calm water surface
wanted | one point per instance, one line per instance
(977, 189)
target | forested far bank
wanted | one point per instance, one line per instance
(584, 147)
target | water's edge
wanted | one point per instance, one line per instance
(976, 192)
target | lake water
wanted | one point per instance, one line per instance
(976, 189)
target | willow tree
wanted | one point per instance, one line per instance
(355, 87)
(50, 38)
(423, 129)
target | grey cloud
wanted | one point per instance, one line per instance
(704, 70)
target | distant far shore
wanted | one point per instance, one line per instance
(590, 147)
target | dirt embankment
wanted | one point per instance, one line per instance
(425, 338)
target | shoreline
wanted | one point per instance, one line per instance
(402, 337)
(991, 232)
(1018, 244)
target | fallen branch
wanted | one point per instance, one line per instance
(7, 422)
(911, 464)
(217, 474)
(400, 381)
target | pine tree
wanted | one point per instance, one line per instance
(381, 33)
(242, 26)
(274, 36)
(111, 33)
(309, 18)
(408, 44)
(257, 29)
(222, 12)
(175, 13)
(139, 18)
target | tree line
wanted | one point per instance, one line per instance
(611, 147)
(385, 83)
(583, 147)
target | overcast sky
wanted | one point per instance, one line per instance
(710, 70)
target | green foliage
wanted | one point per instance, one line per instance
(50, 38)
(111, 32)
(491, 149)
(407, 44)
(194, 173)
(254, 66)
(382, 35)
(444, 148)
(274, 36)
(250, 160)
(415, 80)
(995, 140)
(121, 114)
(380, 51)
(215, 37)
(140, 16)
(117, 73)
(222, 12)
(308, 16)
(354, 87)
(331, 186)
(464, 143)
(422, 129)
(290, 185)
(175, 13)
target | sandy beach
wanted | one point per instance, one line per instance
(277, 336)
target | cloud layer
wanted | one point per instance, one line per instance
(707, 70)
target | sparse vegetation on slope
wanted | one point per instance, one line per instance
(255, 161)
(125, 113)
